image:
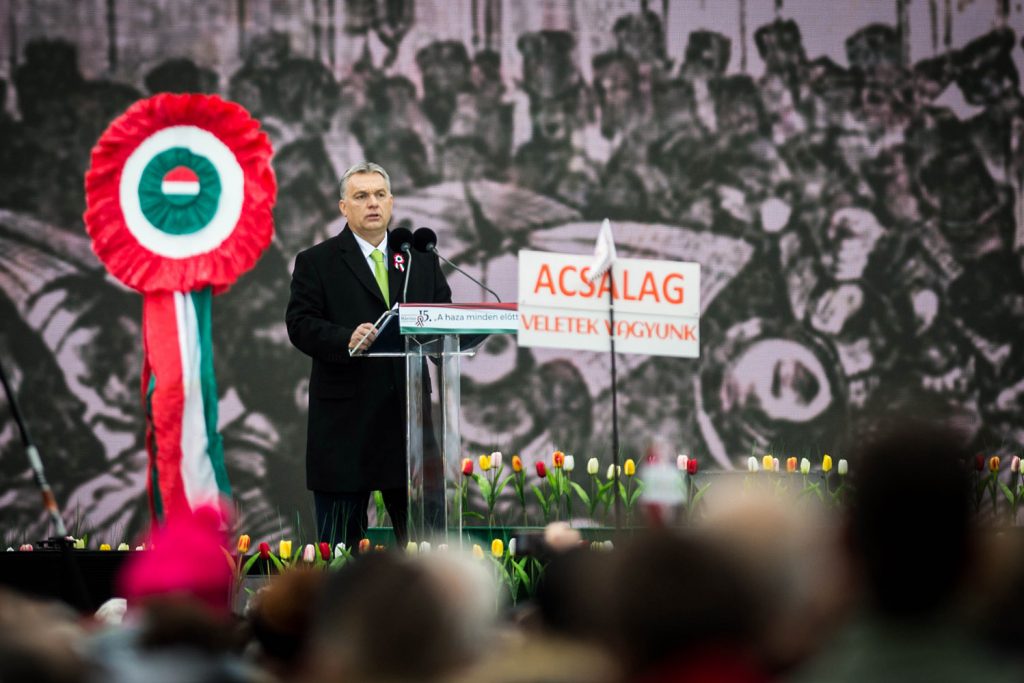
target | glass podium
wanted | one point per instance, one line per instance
(442, 334)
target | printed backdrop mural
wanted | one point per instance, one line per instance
(849, 174)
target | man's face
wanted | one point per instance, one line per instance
(367, 206)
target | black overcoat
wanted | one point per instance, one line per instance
(355, 439)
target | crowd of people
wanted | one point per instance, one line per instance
(905, 586)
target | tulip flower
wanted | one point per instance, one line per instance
(993, 463)
(485, 463)
(424, 547)
(593, 467)
(766, 463)
(325, 551)
(467, 466)
(264, 550)
(123, 547)
(243, 544)
(826, 463)
(570, 463)
(339, 550)
(512, 547)
(629, 467)
(412, 548)
(141, 547)
(496, 460)
(805, 466)
(29, 547)
(775, 464)
(791, 464)
(558, 460)
(103, 546)
(752, 465)
(284, 549)
(309, 553)
(979, 462)
(79, 544)
(692, 466)
(542, 471)
(442, 548)
(1015, 464)
(843, 467)
(379, 548)
(681, 462)
(478, 552)
(611, 472)
(517, 464)
(497, 548)
(364, 544)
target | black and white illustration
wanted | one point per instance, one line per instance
(850, 175)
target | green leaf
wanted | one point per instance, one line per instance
(699, 494)
(1006, 492)
(636, 493)
(277, 562)
(470, 514)
(484, 485)
(581, 493)
(541, 498)
(519, 568)
(501, 485)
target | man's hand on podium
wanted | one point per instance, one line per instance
(357, 341)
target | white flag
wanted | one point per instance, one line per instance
(604, 251)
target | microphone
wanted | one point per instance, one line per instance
(400, 240)
(425, 240)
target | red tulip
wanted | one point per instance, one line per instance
(467, 466)
(264, 551)
(691, 466)
(364, 545)
(979, 462)
(542, 471)
(325, 550)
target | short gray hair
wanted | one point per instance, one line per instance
(363, 167)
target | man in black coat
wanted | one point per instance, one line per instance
(356, 431)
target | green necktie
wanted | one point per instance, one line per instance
(380, 272)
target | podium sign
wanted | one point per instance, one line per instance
(657, 305)
(458, 318)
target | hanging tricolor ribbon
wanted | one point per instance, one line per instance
(179, 194)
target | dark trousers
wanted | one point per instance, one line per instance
(342, 517)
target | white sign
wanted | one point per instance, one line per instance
(458, 318)
(656, 304)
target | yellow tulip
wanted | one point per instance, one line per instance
(826, 463)
(629, 468)
(517, 464)
(766, 463)
(485, 463)
(284, 549)
(104, 546)
(478, 552)
(497, 548)
(993, 463)
(243, 544)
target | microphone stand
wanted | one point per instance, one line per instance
(80, 595)
(407, 250)
(34, 461)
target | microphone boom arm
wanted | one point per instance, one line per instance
(438, 254)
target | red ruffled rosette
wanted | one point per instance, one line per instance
(179, 194)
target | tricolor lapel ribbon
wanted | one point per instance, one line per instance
(399, 261)
(179, 195)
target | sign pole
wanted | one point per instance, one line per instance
(615, 398)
